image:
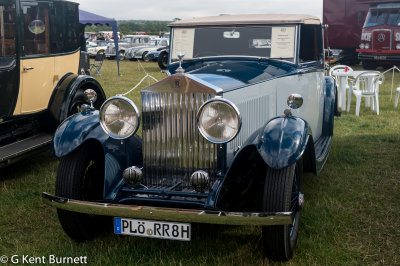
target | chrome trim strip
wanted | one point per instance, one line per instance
(168, 214)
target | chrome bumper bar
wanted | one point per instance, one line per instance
(168, 214)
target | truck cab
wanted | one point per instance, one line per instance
(380, 38)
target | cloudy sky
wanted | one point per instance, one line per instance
(167, 10)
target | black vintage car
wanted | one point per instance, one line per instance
(40, 63)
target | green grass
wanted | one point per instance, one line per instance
(350, 217)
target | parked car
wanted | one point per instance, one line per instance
(153, 55)
(140, 52)
(99, 46)
(225, 137)
(40, 72)
(124, 44)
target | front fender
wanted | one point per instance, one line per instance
(85, 127)
(278, 144)
(75, 130)
(283, 141)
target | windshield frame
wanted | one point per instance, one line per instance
(295, 48)
(379, 11)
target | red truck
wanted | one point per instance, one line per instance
(354, 27)
(380, 37)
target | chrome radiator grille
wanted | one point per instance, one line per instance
(173, 148)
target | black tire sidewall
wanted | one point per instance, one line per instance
(279, 245)
(70, 184)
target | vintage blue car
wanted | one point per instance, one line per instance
(225, 136)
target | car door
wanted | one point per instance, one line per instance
(37, 64)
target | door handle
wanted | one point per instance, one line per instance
(28, 68)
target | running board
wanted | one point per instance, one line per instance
(322, 146)
(18, 150)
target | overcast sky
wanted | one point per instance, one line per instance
(169, 9)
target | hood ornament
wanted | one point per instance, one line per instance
(180, 70)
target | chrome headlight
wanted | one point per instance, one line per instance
(119, 117)
(219, 120)
(366, 46)
(362, 46)
(398, 46)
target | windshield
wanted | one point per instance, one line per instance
(260, 41)
(394, 18)
(102, 43)
(7, 37)
(375, 18)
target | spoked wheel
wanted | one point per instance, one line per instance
(282, 194)
(80, 176)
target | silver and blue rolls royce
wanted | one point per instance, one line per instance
(225, 137)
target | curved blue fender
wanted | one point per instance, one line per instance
(278, 144)
(281, 141)
(118, 155)
(75, 130)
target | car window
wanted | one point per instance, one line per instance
(263, 41)
(310, 44)
(65, 33)
(7, 34)
(36, 28)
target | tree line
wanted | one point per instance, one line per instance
(125, 27)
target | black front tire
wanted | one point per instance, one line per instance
(281, 194)
(121, 55)
(369, 65)
(80, 176)
(144, 57)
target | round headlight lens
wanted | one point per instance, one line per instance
(366, 46)
(219, 120)
(398, 46)
(362, 46)
(119, 117)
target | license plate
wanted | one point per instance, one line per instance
(154, 229)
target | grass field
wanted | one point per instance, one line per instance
(350, 217)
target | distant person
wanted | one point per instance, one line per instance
(101, 37)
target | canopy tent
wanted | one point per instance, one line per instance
(87, 18)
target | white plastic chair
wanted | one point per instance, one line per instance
(396, 100)
(366, 85)
(341, 83)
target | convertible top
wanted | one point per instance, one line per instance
(248, 19)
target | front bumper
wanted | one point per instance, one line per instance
(380, 55)
(168, 214)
